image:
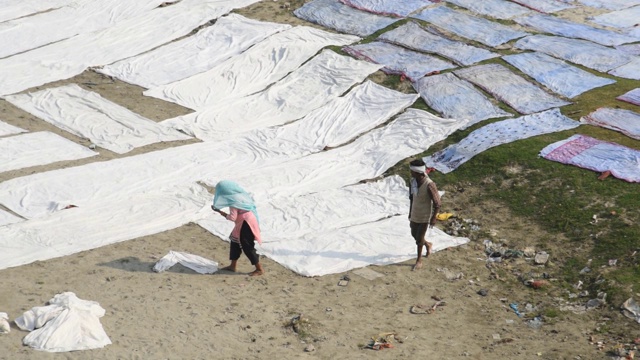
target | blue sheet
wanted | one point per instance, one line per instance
(388, 7)
(629, 70)
(456, 98)
(624, 18)
(553, 25)
(581, 52)
(556, 75)
(610, 4)
(545, 6)
(520, 94)
(499, 9)
(474, 28)
(413, 36)
(343, 18)
(398, 60)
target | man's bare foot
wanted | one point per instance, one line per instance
(229, 268)
(417, 266)
(256, 273)
(429, 248)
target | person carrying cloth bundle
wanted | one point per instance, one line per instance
(424, 201)
(242, 211)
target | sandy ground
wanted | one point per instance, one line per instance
(180, 314)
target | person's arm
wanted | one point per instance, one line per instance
(232, 215)
(437, 202)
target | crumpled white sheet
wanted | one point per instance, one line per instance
(80, 17)
(191, 261)
(414, 36)
(505, 85)
(66, 324)
(497, 133)
(456, 98)
(340, 120)
(254, 70)
(597, 155)
(89, 115)
(562, 27)
(624, 18)
(228, 37)
(555, 74)
(38, 148)
(8, 129)
(474, 28)
(499, 9)
(5, 328)
(631, 309)
(323, 78)
(577, 51)
(624, 121)
(398, 60)
(70, 57)
(342, 18)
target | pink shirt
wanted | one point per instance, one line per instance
(239, 217)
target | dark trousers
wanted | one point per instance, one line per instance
(247, 245)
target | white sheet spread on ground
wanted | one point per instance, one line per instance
(554, 25)
(112, 218)
(66, 323)
(38, 148)
(545, 6)
(13, 9)
(556, 75)
(520, 94)
(339, 121)
(228, 37)
(194, 262)
(415, 37)
(343, 18)
(89, 115)
(499, 9)
(624, 121)
(8, 218)
(127, 38)
(581, 52)
(593, 154)
(624, 18)
(82, 17)
(388, 7)
(632, 97)
(456, 98)
(254, 70)
(398, 60)
(630, 70)
(479, 29)
(100, 223)
(610, 4)
(323, 78)
(8, 129)
(498, 133)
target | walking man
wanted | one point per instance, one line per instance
(424, 201)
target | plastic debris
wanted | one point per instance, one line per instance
(631, 309)
(514, 307)
(541, 258)
(4, 323)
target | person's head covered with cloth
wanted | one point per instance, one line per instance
(231, 194)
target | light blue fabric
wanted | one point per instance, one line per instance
(230, 194)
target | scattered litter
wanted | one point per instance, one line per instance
(193, 262)
(4, 323)
(509, 321)
(594, 220)
(483, 292)
(584, 293)
(578, 286)
(529, 252)
(514, 307)
(444, 216)
(450, 275)
(613, 262)
(585, 270)
(309, 348)
(536, 284)
(631, 309)
(344, 281)
(496, 336)
(384, 341)
(368, 273)
(425, 309)
(541, 258)
(594, 303)
(535, 323)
